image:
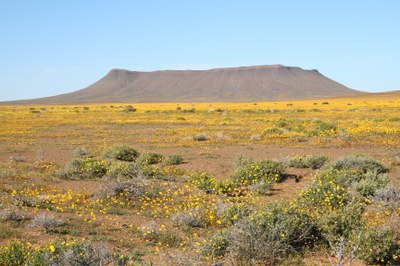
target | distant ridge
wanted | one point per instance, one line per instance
(236, 84)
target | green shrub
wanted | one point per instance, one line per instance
(254, 172)
(84, 168)
(227, 187)
(150, 171)
(120, 169)
(323, 127)
(155, 234)
(379, 245)
(328, 189)
(203, 181)
(14, 254)
(122, 153)
(149, 158)
(173, 159)
(235, 213)
(216, 246)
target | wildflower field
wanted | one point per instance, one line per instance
(276, 183)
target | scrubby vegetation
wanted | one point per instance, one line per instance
(142, 203)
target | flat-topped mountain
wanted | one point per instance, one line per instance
(238, 84)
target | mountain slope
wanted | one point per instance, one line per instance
(257, 83)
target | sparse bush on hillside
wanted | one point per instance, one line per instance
(122, 153)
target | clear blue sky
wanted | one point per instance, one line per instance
(52, 47)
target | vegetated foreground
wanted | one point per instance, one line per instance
(292, 183)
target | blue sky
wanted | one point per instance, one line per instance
(53, 47)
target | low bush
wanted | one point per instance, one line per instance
(370, 183)
(254, 172)
(84, 168)
(48, 223)
(388, 196)
(270, 236)
(271, 131)
(122, 153)
(379, 245)
(201, 137)
(130, 189)
(216, 246)
(189, 218)
(173, 159)
(81, 152)
(149, 158)
(159, 235)
(13, 215)
(308, 161)
(358, 163)
(120, 169)
(203, 181)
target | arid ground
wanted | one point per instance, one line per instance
(179, 184)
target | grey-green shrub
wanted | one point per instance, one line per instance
(269, 236)
(308, 161)
(370, 183)
(360, 163)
